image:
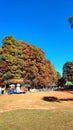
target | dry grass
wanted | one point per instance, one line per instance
(37, 120)
(37, 100)
(37, 111)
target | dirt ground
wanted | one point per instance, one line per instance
(37, 100)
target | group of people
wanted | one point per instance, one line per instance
(11, 90)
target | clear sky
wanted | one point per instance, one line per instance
(43, 23)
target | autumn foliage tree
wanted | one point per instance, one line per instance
(37, 70)
(12, 55)
(23, 61)
(3, 68)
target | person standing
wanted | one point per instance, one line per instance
(18, 90)
(0, 90)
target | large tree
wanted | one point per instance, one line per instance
(37, 70)
(12, 55)
(68, 71)
(25, 62)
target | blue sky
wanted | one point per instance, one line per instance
(43, 23)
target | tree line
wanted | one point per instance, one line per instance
(25, 63)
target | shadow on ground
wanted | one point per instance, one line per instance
(70, 92)
(55, 99)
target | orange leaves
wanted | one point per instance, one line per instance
(38, 68)
(25, 61)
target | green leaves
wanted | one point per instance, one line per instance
(68, 71)
(70, 19)
(12, 54)
(8, 75)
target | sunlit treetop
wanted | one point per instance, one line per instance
(70, 19)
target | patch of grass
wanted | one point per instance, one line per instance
(37, 120)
